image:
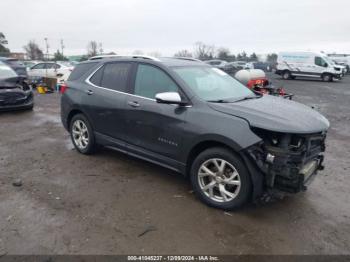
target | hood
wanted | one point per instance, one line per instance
(10, 82)
(276, 114)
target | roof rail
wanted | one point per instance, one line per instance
(187, 58)
(126, 56)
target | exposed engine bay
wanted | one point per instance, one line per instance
(288, 161)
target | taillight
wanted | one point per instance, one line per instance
(63, 88)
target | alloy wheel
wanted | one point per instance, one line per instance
(80, 134)
(219, 180)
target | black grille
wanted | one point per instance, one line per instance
(11, 98)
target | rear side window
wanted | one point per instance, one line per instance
(151, 81)
(49, 66)
(115, 76)
(39, 66)
(97, 77)
(80, 70)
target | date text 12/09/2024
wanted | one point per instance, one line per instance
(173, 258)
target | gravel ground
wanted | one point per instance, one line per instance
(109, 203)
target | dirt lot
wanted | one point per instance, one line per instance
(101, 204)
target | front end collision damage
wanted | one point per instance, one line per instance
(283, 163)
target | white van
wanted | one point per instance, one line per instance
(307, 64)
(341, 59)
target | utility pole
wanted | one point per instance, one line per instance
(62, 47)
(101, 49)
(47, 48)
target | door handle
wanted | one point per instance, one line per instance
(89, 92)
(133, 104)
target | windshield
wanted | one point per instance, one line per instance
(66, 63)
(6, 71)
(329, 61)
(212, 84)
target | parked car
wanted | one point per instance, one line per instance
(234, 145)
(231, 68)
(240, 64)
(29, 64)
(307, 64)
(16, 65)
(59, 70)
(15, 93)
(216, 63)
(258, 65)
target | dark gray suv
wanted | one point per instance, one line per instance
(235, 145)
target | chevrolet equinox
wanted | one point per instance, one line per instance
(234, 145)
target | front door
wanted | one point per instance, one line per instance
(152, 128)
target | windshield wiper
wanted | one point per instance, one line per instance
(219, 101)
(248, 97)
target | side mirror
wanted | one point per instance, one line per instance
(325, 65)
(169, 98)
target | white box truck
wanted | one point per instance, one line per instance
(307, 64)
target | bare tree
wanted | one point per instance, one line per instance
(223, 53)
(100, 48)
(33, 51)
(183, 53)
(203, 51)
(92, 49)
(137, 52)
(155, 54)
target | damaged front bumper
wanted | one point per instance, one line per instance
(289, 165)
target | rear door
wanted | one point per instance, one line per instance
(105, 98)
(37, 70)
(154, 130)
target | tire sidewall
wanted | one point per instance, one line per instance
(286, 75)
(90, 147)
(327, 78)
(246, 186)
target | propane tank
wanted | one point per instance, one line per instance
(245, 75)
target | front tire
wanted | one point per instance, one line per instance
(82, 134)
(220, 179)
(327, 78)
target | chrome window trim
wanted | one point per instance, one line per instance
(87, 81)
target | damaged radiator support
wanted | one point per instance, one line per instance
(290, 162)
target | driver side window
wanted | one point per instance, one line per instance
(320, 62)
(151, 81)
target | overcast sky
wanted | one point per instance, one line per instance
(167, 26)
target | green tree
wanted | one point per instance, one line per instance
(253, 57)
(223, 53)
(271, 58)
(3, 50)
(58, 56)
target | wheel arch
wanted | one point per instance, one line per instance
(204, 144)
(255, 175)
(74, 112)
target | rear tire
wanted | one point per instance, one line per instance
(82, 134)
(220, 179)
(286, 75)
